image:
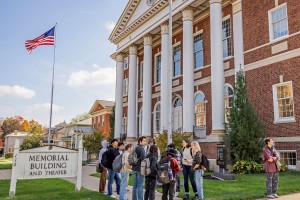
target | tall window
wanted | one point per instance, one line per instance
(124, 125)
(289, 158)
(141, 75)
(125, 87)
(283, 102)
(158, 68)
(200, 110)
(278, 22)
(226, 35)
(125, 63)
(177, 103)
(157, 118)
(229, 97)
(176, 61)
(103, 118)
(198, 51)
(140, 122)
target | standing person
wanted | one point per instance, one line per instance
(169, 189)
(151, 179)
(121, 147)
(102, 182)
(125, 171)
(147, 148)
(138, 179)
(187, 161)
(113, 153)
(178, 157)
(270, 157)
(198, 172)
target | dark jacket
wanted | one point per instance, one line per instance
(140, 151)
(197, 159)
(113, 153)
(153, 165)
(270, 153)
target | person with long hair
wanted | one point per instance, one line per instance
(198, 172)
(151, 178)
(187, 161)
(125, 171)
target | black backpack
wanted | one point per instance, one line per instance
(105, 159)
(204, 163)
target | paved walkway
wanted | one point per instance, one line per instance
(92, 183)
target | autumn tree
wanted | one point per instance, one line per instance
(35, 127)
(25, 126)
(112, 124)
(9, 125)
(92, 142)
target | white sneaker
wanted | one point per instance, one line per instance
(112, 196)
(176, 194)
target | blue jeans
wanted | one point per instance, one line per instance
(138, 186)
(124, 184)
(188, 173)
(199, 182)
(111, 176)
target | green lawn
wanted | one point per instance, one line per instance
(5, 163)
(251, 186)
(48, 189)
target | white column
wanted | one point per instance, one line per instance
(217, 67)
(147, 86)
(119, 95)
(188, 71)
(164, 85)
(238, 41)
(131, 128)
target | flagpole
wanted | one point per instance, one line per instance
(52, 86)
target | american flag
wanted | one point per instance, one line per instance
(44, 39)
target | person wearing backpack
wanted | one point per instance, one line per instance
(187, 161)
(111, 154)
(198, 172)
(102, 182)
(125, 171)
(138, 180)
(151, 178)
(169, 188)
(178, 157)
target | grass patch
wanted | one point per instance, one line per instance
(5, 163)
(48, 189)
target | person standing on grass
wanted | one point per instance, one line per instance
(113, 153)
(138, 178)
(102, 182)
(151, 178)
(270, 157)
(125, 171)
(178, 157)
(198, 172)
(187, 161)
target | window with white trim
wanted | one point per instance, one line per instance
(141, 74)
(124, 125)
(198, 51)
(157, 118)
(125, 64)
(278, 22)
(125, 87)
(176, 61)
(200, 110)
(228, 97)
(158, 68)
(226, 36)
(283, 102)
(289, 158)
(103, 118)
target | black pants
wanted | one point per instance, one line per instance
(168, 189)
(150, 184)
(178, 181)
(188, 173)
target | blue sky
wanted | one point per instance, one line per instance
(84, 70)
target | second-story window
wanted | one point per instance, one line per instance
(158, 68)
(226, 35)
(141, 75)
(176, 60)
(278, 22)
(125, 87)
(198, 51)
(125, 63)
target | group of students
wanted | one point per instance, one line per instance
(144, 163)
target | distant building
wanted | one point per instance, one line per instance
(10, 140)
(101, 111)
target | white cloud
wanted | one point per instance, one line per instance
(16, 91)
(95, 66)
(42, 107)
(110, 25)
(101, 76)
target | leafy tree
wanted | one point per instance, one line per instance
(177, 138)
(92, 142)
(30, 142)
(9, 125)
(245, 132)
(80, 117)
(35, 127)
(25, 126)
(112, 124)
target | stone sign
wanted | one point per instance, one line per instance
(46, 162)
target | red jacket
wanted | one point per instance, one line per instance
(270, 166)
(174, 165)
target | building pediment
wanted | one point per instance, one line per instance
(101, 105)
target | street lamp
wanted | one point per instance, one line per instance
(151, 3)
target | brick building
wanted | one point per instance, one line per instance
(101, 111)
(212, 40)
